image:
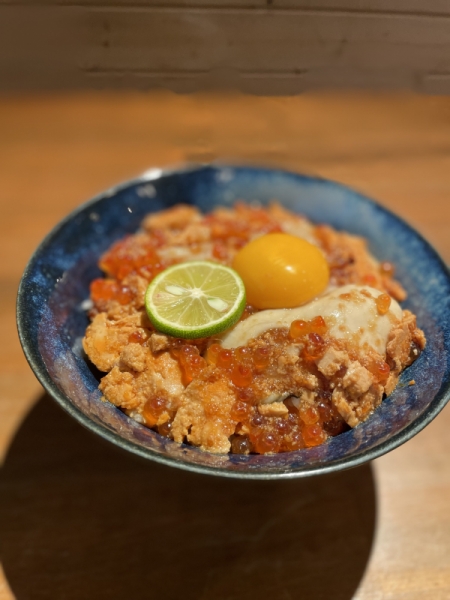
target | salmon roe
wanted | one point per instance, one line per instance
(190, 361)
(304, 428)
(300, 328)
(153, 409)
(380, 370)
(255, 432)
(138, 337)
(241, 364)
(130, 256)
(104, 290)
(240, 229)
(383, 302)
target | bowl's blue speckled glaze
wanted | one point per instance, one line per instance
(51, 319)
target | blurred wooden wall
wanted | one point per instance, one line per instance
(260, 46)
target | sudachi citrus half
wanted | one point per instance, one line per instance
(195, 299)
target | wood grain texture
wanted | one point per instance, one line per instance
(391, 7)
(278, 48)
(69, 532)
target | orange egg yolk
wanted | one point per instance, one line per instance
(281, 271)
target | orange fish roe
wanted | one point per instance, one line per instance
(191, 363)
(380, 369)
(383, 303)
(261, 359)
(241, 411)
(103, 290)
(240, 228)
(314, 347)
(153, 409)
(240, 444)
(300, 328)
(309, 416)
(241, 375)
(241, 364)
(165, 428)
(127, 257)
(138, 337)
(307, 428)
(225, 359)
(212, 354)
(313, 435)
(220, 251)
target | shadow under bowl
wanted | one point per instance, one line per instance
(52, 321)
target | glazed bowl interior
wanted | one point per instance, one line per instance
(52, 320)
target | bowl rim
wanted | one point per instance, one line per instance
(41, 373)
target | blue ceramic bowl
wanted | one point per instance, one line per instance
(52, 322)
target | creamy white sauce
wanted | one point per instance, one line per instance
(350, 312)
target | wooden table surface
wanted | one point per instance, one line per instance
(78, 519)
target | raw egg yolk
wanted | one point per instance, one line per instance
(281, 271)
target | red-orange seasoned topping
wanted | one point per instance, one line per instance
(153, 408)
(191, 363)
(132, 256)
(185, 352)
(326, 411)
(246, 395)
(241, 375)
(240, 364)
(383, 303)
(380, 370)
(241, 444)
(236, 229)
(212, 353)
(284, 425)
(294, 441)
(225, 359)
(220, 251)
(261, 358)
(243, 355)
(309, 415)
(138, 337)
(299, 328)
(241, 411)
(265, 442)
(103, 290)
(165, 428)
(313, 435)
(383, 370)
(318, 325)
(314, 348)
(195, 365)
(332, 421)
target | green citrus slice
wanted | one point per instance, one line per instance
(195, 299)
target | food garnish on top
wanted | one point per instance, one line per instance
(319, 343)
